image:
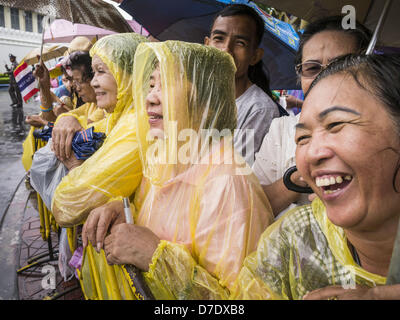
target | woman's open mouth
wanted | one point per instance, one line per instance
(333, 183)
(154, 118)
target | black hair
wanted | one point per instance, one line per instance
(377, 74)
(333, 23)
(255, 73)
(81, 60)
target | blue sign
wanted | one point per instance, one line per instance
(282, 30)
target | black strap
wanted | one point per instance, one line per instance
(292, 186)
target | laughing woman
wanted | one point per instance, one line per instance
(348, 151)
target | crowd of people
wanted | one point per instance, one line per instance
(192, 135)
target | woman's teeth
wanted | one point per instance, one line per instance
(328, 183)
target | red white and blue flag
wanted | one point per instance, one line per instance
(25, 81)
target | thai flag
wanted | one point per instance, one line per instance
(25, 81)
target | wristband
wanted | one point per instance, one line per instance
(46, 110)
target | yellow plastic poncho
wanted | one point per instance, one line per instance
(203, 201)
(87, 115)
(301, 252)
(115, 169)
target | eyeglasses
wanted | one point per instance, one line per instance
(310, 69)
(79, 83)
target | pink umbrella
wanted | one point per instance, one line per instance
(64, 31)
(138, 28)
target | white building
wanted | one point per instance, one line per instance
(20, 32)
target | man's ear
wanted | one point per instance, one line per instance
(206, 40)
(258, 55)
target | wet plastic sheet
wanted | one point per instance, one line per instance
(46, 173)
(198, 195)
(301, 252)
(115, 169)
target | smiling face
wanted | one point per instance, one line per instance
(82, 87)
(348, 151)
(104, 84)
(324, 47)
(236, 36)
(154, 106)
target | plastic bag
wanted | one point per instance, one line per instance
(46, 173)
(64, 256)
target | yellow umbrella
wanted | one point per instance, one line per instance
(49, 52)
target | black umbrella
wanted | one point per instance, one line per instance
(191, 20)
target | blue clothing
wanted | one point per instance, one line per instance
(62, 91)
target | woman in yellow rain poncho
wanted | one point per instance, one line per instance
(115, 169)
(199, 210)
(339, 246)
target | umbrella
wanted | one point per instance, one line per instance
(49, 52)
(367, 11)
(92, 12)
(84, 143)
(136, 27)
(191, 20)
(62, 30)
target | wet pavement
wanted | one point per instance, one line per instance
(13, 131)
(20, 236)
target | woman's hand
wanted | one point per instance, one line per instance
(59, 109)
(131, 244)
(42, 74)
(36, 121)
(99, 222)
(62, 135)
(71, 162)
(386, 292)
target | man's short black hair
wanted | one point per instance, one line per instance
(244, 10)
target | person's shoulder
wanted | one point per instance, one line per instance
(297, 220)
(283, 124)
(256, 97)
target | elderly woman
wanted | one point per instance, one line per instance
(348, 146)
(199, 210)
(115, 169)
(322, 41)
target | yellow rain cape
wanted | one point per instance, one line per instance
(301, 252)
(197, 194)
(115, 169)
(87, 115)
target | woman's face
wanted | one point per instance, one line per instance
(347, 151)
(83, 88)
(154, 106)
(66, 82)
(324, 47)
(104, 85)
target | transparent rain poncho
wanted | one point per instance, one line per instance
(197, 194)
(301, 252)
(115, 169)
